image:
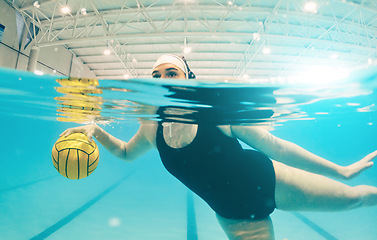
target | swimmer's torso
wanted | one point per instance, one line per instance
(236, 183)
(177, 135)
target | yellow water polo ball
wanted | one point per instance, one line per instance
(74, 156)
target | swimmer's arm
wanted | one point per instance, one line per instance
(294, 155)
(128, 151)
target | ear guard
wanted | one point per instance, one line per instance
(190, 74)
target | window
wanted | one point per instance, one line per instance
(31, 34)
(20, 27)
(1, 31)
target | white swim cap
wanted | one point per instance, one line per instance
(173, 59)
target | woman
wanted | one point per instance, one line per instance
(242, 186)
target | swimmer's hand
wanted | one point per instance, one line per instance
(355, 169)
(88, 130)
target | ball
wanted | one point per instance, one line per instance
(74, 156)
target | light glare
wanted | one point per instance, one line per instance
(311, 7)
(83, 11)
(36, 4)
(324, 74)
(256, 37)
(334, 56)
(65, 10)
(37, 72)
(266, 50)
(187, 50)
(107, 52)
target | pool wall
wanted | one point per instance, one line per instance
(14, 53)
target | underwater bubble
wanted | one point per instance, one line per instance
(114, 222)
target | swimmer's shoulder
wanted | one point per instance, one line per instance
(148, 129)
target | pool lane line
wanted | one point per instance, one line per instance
(26, 184)
(192, 232)
(325, 234)
(55, 227)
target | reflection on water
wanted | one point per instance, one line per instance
(217, 102)
(229, 102)
(78, 104)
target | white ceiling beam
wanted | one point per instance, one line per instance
(228, 35)
(202, 8)
(42, 4)
(328, 30)
(256, 45)
(146, 35)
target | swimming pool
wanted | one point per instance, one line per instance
(140, 200)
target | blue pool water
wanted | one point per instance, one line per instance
(140, 200)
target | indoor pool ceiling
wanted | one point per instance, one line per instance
(266, 39)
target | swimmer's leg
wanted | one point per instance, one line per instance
(247, 229)
(300, 190)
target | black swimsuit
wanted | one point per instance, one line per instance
(236, 183)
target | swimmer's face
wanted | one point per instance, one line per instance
(168, 70)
